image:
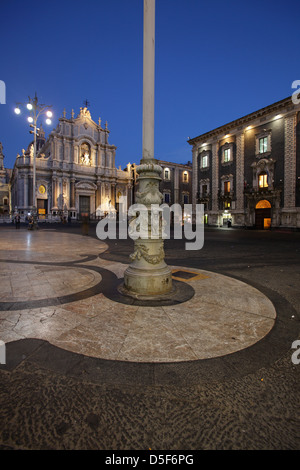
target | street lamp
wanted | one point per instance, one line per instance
(35, 110)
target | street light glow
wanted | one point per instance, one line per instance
(36, 110)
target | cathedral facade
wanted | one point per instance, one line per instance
(4, 186)
(75, 171)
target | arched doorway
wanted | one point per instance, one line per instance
(263, 214)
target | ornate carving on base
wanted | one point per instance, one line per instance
(150, 195)
(142, 251)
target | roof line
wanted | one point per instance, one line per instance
(242, 120)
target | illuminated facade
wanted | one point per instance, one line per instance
(248, 171)
(75, 171)
(4, 186)
(176, 182)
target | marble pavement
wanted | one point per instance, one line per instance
(56, 287)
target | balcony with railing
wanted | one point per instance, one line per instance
(203, 197)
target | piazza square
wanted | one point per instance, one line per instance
(149, 230)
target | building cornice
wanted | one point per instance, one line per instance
(185, 166)
(245, 120)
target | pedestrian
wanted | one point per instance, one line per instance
(30, 225)
(17, 221)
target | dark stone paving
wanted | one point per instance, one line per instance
(54, 399)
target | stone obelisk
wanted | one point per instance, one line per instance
(148, 275)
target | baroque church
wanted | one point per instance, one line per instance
(4, 185)
(75, 171)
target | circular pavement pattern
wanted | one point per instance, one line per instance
(74, 304)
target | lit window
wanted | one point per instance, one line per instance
(227, 187)
(263, 180)
(205, 161)
(263, 144)
(167, 174)
(227, 155)
(185, 177)
(227, 204)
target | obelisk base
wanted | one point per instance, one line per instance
(144, 283)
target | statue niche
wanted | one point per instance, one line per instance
(85, 154)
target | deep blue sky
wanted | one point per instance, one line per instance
(215, 61)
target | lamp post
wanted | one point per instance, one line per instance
(35, 109)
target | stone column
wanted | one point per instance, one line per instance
(26, 191)
(60, 192)
(75, 154)
(129, 189)
(113, 195)
(72, 193)
(54, 192)
(30, 184)
(64, 147)
(148, 79)
(21, 191)
(65, 193)
(148, 276)
(98, 194)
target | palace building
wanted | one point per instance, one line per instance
(248, 171)
(75, 171)
(175, 185)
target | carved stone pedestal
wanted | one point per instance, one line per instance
(148, 275)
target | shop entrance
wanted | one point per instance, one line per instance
(263, 215)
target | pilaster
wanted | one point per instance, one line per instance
(215, 176)
(195, 181)
(25, 190)
(240, 140)
(290, 161)
(54, 192)
(72, 193)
